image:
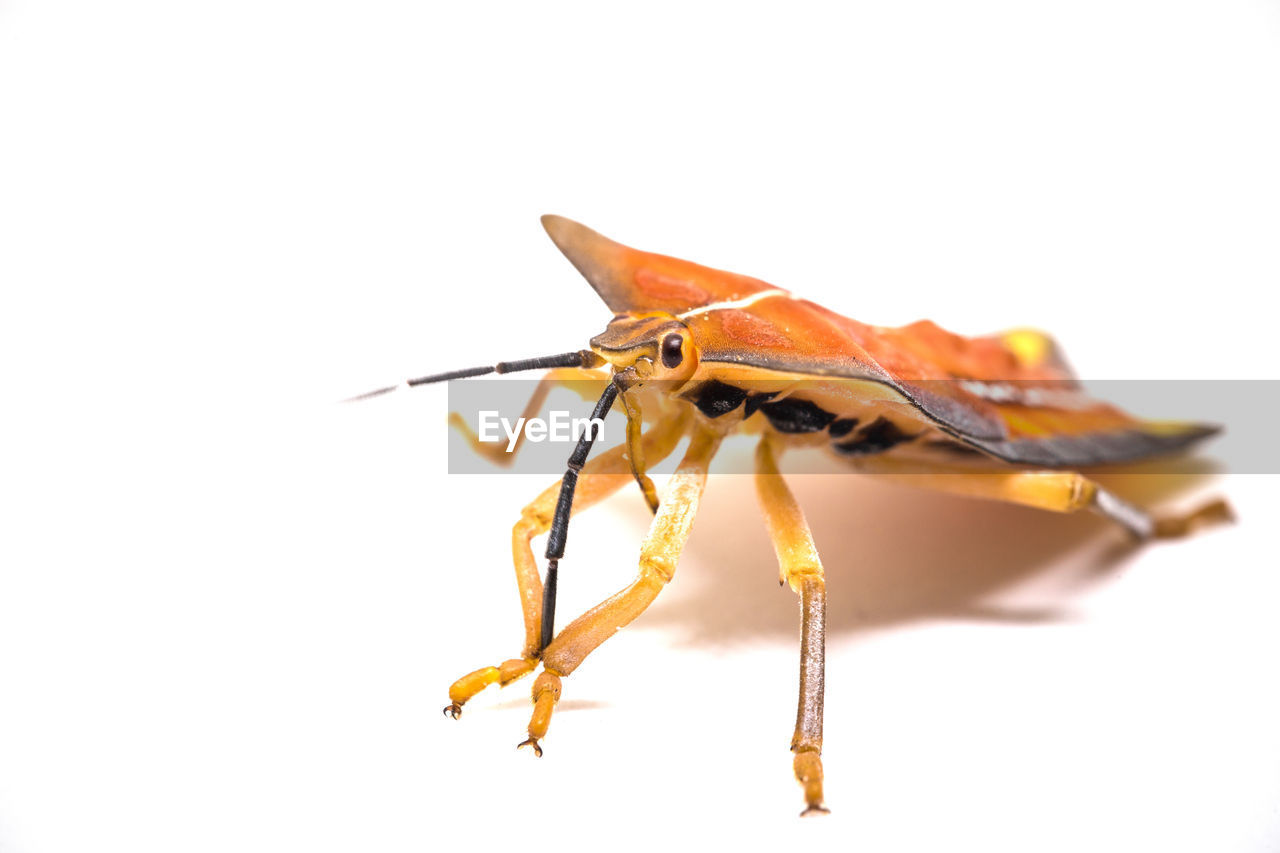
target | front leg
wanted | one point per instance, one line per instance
(658, 557)
(600, 477)
(801, 568)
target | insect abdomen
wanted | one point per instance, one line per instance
(797, 416)
(876, 437)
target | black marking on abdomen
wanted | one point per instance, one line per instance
(716, 398)
(842, 427)
(876, 437)
(795, 416)
(755, 401)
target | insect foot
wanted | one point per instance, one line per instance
(1216, 511)
(808, 769)
(546, 693)
(473, 682)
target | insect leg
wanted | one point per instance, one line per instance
(600, 477)
(635, 451)
(1059, 491)
(496, 452)
(658, 557)
(801, 568)
(1144, 525)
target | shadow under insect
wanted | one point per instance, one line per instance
(894, 555)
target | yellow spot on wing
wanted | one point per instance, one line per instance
(1028, 346)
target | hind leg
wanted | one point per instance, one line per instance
(1144, 525)
(1058, 491)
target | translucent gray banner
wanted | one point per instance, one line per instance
(842, 424)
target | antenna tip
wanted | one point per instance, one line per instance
(369, 395)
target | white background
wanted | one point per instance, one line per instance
(230, 609)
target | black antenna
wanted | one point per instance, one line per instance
(582, 358)
(560, 523)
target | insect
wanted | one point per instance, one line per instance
(701, 353)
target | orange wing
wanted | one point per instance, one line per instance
(1010, 395)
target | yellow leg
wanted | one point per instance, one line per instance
(496, 452)
(600, 477)
(801, 568)
(635, 450)
(658, 557)
(1059, 491)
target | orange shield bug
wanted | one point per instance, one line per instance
(706, 353)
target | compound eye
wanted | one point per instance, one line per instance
(672, 350)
